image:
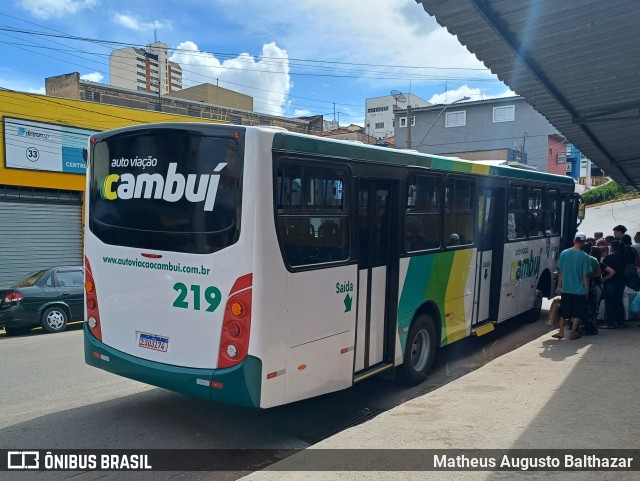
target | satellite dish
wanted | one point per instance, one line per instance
(398, 96)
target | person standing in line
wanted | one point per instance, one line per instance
(636, 246)
(595, 278)
(608, 240)
(597, 235)
(574, 269)
(613, 283)
(619, 231)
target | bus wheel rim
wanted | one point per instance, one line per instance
(420, 350)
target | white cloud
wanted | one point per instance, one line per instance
(386, 32)
(266, 79)
(130, 21)
(301, 112)
(55, 8)
(474, 93)
(12, 82)
(92, 77)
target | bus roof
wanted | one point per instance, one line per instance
(312, 145)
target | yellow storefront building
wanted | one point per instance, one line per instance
(42, 178)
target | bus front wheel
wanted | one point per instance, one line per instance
(420, 351)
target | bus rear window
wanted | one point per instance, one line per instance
(166, 189)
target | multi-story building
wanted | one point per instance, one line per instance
(70, 86)
(379, 117)
(507, 124)
(145, 70)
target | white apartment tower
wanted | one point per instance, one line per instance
(379, 118)
(145, 70)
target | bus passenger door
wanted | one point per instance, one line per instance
(374, 341)
(490, 254)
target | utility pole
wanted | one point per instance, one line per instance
(409, 126)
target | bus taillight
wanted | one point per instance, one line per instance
(91, 298)
(236, 326)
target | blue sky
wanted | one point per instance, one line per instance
(281, 52)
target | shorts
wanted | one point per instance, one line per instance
(573, 306)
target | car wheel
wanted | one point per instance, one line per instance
(420, 351)
(16, 331)
(54, 319)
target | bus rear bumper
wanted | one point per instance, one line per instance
(239, 385)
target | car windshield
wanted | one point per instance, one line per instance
(31, 279)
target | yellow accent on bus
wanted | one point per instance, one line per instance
(484, 329)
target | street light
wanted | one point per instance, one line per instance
(438, 116)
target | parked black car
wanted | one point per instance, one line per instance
(49, 298)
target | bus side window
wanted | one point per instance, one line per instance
(422, 213)
(551, 209)
(517, 213)
(458, 217)
(313, 215)
(535, 213)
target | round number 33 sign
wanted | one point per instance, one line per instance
(32, 154)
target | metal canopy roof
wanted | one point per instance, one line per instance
(575, 61)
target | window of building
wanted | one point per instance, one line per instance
(378, 109)
(422, 213)
(235, 119)
(458, 216)
(456, 119)
(535, 213)
(516, 213)
(413, 121)
(141, 67)
(505, 113)
(379, 125)
(403, 121)
(140, 74)
(193, 112)
(313, 214)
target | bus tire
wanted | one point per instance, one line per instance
(534, 313)
(420, 351)
(54, 319)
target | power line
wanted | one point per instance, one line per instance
(61, 34)
(280, 60)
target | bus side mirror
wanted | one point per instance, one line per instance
(85, 154)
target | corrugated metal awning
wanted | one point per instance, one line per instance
(577, 62)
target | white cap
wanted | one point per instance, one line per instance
(581, 236)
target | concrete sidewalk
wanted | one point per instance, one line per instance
(548, 394)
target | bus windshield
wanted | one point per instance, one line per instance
(166, 189)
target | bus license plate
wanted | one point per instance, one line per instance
(151, 341)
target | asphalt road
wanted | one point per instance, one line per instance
(51, 399)
(606, 217)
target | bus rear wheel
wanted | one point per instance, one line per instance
(420, 351)
(534, 313)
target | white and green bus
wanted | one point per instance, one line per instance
(257, 267)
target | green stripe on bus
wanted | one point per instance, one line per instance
(312, 145)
